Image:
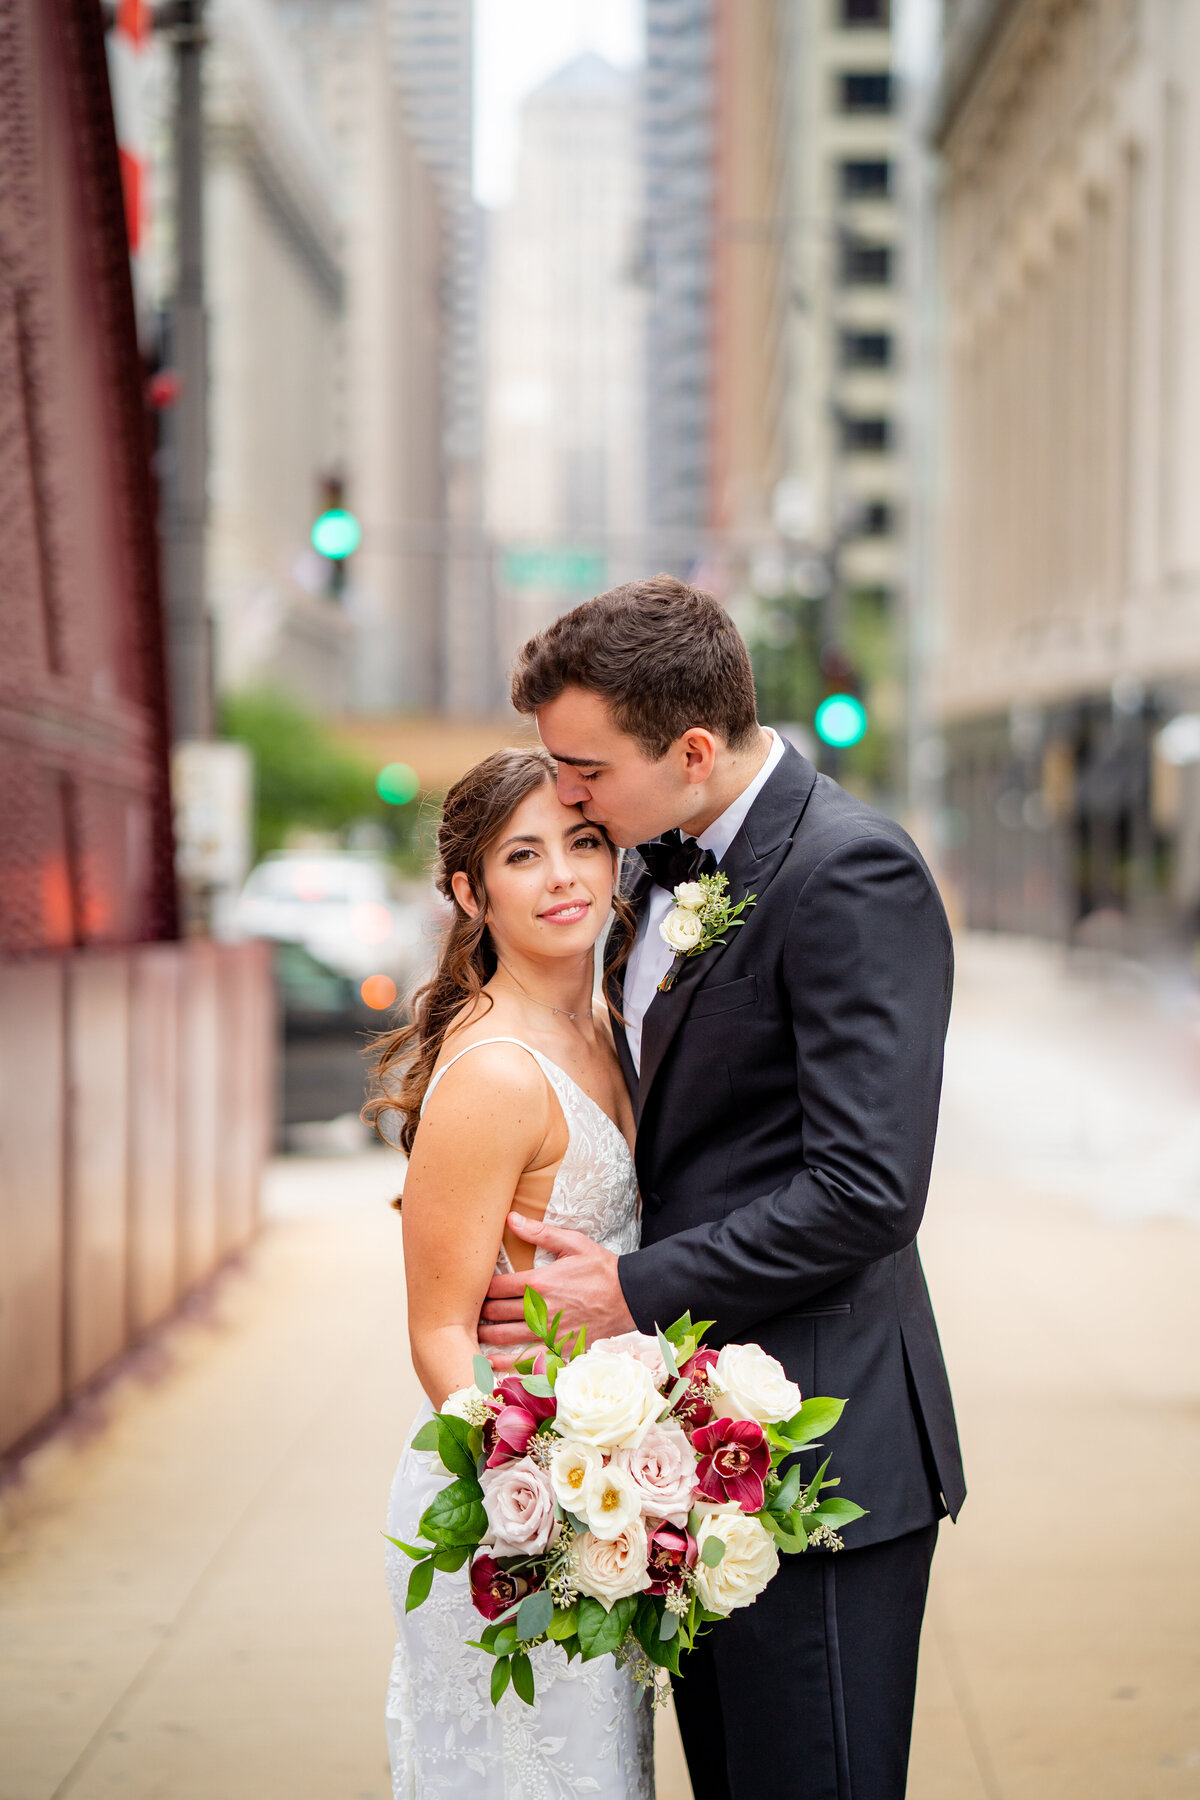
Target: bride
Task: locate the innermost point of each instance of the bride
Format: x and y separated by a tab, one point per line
511	1100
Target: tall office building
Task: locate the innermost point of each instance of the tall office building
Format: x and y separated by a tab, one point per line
565	339
432	44
846	461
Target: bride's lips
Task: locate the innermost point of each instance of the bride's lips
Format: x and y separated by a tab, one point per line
568	913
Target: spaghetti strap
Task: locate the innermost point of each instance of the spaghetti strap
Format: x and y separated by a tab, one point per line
478	1045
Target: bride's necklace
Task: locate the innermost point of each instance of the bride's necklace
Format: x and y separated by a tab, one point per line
554	1009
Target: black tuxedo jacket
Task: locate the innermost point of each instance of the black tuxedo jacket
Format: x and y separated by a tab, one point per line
787	1107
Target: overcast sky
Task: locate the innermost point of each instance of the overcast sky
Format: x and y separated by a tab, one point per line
517	44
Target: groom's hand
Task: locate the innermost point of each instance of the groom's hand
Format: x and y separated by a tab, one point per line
581	1283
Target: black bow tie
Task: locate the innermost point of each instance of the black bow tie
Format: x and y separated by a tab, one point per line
672	858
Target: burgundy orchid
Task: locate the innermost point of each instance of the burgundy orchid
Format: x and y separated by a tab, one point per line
671	1551
507	1437
696	1407
734	1461
493	1589
514	1391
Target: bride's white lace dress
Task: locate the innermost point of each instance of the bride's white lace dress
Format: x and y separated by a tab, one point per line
588	1732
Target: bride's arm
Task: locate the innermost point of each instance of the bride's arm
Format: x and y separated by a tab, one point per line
484	1126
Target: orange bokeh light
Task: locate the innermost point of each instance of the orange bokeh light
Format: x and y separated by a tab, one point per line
378	991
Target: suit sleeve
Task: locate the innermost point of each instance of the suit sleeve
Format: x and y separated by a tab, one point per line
867	968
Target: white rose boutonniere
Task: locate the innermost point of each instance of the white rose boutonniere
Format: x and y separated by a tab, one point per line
700	917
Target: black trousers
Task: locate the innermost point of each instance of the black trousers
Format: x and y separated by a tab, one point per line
809	1692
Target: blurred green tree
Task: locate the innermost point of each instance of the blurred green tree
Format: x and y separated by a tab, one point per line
304	779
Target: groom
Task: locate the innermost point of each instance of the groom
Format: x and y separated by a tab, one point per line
786	1090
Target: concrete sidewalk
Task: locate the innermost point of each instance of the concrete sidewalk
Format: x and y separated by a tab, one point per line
191	1595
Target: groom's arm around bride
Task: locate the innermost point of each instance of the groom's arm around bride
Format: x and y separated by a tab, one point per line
786	1085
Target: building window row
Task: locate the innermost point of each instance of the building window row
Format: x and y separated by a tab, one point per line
866	434
864	264
860	178
864	91
863	15
866	349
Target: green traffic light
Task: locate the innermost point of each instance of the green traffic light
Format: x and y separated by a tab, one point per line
841	721
336	534
397	784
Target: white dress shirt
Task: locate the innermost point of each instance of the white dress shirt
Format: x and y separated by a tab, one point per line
650	957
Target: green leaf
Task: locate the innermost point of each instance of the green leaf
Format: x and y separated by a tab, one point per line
677	1392
564	1624
419	1584
681	1329
500	1675
522	1677
505	1641
816	1416
788	1533
668	1627
450	1560
535	1312
456	1515
409	1549
601	1632
580	1342
427	1437
534	1615
668	1355
538	1384
485	1375
453	1445
835	1512
711	1551
814	1486
789	1491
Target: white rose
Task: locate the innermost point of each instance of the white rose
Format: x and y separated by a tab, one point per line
681	929
637	1344
611	1568
690	895
461	1403
754	1386
743	1572
519	1507
612	1503
606	1399
663	1472
571	1470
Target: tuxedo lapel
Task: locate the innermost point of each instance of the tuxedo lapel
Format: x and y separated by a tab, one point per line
750	863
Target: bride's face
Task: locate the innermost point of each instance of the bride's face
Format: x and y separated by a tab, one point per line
549	879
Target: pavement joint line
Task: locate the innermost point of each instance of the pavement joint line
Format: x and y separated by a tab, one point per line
960	1687
138	1683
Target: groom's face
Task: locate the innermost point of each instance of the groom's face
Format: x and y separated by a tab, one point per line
607	773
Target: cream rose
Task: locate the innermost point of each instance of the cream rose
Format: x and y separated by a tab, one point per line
520	1509
611	1568
637	1344
612	1503
690	895
572	1468
681	929
743	1572
462	1403
662	1470
754	1386
605	1399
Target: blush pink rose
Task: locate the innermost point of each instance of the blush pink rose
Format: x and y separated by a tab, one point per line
663	1472
642	1348
519	1507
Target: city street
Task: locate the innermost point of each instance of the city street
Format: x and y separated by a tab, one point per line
191	1590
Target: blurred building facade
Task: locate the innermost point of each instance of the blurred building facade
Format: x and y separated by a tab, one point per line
848	325
433	59
565	437
1067	677
135	1070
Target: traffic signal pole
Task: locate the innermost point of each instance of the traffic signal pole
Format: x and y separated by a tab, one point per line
189	630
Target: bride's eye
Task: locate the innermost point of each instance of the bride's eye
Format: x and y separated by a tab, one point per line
588	840
517	856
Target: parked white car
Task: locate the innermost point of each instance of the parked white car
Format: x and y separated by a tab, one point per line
346	909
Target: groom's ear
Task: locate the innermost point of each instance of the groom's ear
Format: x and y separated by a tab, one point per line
699	749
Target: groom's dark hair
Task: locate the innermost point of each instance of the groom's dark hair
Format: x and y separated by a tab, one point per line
664	655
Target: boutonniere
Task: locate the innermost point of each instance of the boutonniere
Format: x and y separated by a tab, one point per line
699	919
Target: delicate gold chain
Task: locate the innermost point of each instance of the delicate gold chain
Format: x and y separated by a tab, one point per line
554	1009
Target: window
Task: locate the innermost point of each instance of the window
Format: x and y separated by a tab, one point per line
866	265
869	435
865	180
876	518
862	93
866	350
855	15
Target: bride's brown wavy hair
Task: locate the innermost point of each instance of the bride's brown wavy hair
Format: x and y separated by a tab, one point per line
477	809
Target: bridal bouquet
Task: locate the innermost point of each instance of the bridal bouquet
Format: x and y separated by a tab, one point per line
617	1500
